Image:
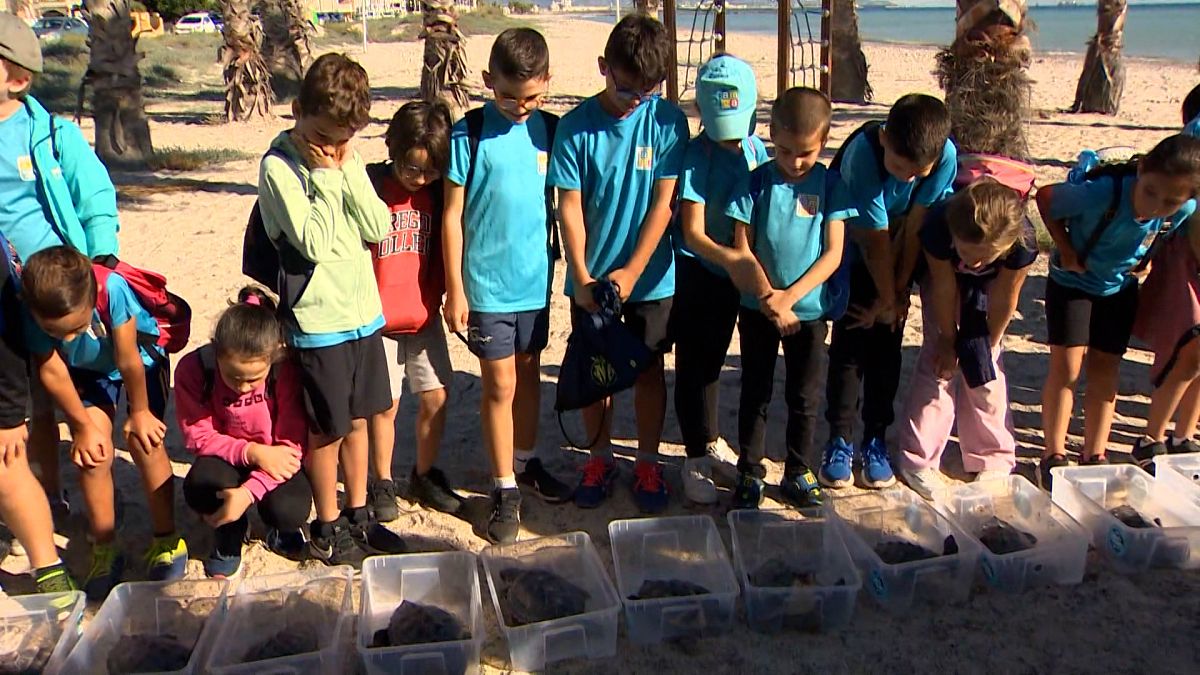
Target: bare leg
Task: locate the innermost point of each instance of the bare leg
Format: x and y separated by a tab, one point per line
431	424
321	465
597	422
1058	397
650	406
158	482
383	441
24	508
528	401
96	484
1099	402
354	459
496	412
1188	413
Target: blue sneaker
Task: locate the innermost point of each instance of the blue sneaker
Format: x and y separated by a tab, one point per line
802	490
291	545
599	474
876	467
748	493
217	566
649	489
837	467
166	559
105	573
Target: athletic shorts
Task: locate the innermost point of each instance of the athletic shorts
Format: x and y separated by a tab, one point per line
1076	318
422	358
498	335
344	382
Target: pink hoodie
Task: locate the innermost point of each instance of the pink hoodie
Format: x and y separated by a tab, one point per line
228	422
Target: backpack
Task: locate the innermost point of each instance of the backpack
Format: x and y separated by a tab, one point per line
836	288
870	130
474	120
171	312
208	368
1011	173
1092	165
12	267
275	263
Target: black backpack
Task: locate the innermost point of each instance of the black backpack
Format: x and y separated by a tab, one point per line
275	263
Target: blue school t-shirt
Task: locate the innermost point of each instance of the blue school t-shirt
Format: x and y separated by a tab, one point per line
506	246
710	174
93	350
878	199
22	216
1124	242
789	221
1193	128
614	164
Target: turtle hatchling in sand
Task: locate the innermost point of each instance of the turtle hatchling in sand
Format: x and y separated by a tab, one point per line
414	623
1002	538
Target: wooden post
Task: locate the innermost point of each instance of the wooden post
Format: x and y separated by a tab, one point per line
672	30
783	66
826	46
718	27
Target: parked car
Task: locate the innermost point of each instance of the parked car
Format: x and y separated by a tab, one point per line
196	22
55	27
218	21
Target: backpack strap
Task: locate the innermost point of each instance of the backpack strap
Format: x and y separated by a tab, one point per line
1110	214
146	342
551	122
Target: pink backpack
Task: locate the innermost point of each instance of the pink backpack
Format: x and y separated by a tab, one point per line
1008	172
173	314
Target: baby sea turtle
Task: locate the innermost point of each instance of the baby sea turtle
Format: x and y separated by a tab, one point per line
1129	515
147	654
413	624
296	639
533	595
777	573
897	552
1002	538
667	588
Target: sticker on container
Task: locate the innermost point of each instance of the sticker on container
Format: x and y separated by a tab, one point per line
878	586
1116	541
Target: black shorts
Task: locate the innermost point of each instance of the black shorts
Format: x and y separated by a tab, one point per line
649	320
1076	318
344	382
499	335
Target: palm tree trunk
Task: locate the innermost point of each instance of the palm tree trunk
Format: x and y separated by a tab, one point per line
23	9
849	78
1103	77
286	47
648	7
122	131
247	80
984	74
444	74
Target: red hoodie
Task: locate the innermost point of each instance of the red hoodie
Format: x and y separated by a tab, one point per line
408	262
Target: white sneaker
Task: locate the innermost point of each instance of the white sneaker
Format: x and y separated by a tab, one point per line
698	485
992	474
723	459
925	482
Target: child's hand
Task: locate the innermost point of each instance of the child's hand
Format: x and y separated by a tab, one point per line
583	296
12	444
90	447
1145	270
144	432
945	360
235	502
625	281
456	312
1068	261
279	461
786	322
776	305
316	155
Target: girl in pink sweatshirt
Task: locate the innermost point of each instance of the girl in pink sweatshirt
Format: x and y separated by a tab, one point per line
240	408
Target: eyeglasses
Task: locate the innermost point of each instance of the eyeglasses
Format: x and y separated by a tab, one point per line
639	96
414	172
524	103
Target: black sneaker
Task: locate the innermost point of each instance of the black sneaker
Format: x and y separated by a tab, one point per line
505	522
370	536
802	490
543	483
1145	450
332	543
433	491
1187	446
1095	460
1044	466
381	495
748	493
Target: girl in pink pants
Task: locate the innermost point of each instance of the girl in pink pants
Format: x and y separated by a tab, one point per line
978	245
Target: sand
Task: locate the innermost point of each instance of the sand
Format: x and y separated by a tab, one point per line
189	225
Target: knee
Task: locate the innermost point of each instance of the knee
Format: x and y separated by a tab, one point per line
433	401
287	507
501	387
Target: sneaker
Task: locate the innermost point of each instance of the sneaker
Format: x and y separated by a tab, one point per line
370	536
698	486
599	474
1052	462
166	559
332	543
1186	446
381	496
543	483
649	489
505	522
925	482
837	467
54	579
1145	450
1095	460
290	545
802	490
433	491
217	566
723	459
992	474
748	494
876	467
107	565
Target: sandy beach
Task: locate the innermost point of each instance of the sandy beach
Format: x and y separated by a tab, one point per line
189	225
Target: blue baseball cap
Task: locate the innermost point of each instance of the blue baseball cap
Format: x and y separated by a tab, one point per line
727	95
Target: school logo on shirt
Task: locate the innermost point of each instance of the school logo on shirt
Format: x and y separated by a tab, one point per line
728	99
543	161
410	233
25	168
808	206
645	158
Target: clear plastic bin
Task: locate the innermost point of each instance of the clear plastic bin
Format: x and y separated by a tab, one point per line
38	631
1181	472
896	517
187	612
771	546
682	548
285	613
447	581
1088	493
1059	553
571	556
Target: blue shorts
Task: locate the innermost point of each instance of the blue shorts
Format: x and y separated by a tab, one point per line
499	335
97	391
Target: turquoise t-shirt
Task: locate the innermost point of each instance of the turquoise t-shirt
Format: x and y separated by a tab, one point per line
614	164
789	220
1124	242
22	217
1193	128
93	350
506	246
876	200
710	173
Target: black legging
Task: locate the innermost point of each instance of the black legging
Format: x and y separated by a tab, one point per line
285	508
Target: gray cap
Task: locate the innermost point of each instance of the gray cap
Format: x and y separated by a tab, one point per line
18	44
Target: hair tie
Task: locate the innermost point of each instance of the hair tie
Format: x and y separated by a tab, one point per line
252	300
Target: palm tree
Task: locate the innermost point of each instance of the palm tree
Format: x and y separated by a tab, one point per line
984	74
1103	77
287	44
122	131
23	9
247	80
849	78
444	74
648	7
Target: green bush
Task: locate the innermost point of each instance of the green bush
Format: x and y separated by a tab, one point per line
170	10
520	7
487	20
179	159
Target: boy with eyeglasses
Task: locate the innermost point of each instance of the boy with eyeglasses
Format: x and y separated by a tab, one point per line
615	162
498	253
